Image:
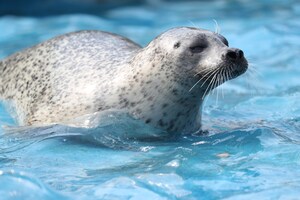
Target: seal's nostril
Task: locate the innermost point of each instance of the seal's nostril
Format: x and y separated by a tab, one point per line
232	55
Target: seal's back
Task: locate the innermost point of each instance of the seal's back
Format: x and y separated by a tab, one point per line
53	75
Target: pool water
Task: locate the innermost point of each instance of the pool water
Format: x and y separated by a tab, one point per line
251	151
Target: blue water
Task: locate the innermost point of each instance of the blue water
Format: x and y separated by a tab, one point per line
251	151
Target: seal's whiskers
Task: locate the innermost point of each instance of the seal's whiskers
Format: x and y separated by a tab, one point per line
219	81
204	75
209	77
211	84
204	71
209	87
252	75
223	80
253	70
217	27
193	24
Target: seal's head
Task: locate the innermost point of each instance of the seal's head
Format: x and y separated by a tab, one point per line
201	57
175	71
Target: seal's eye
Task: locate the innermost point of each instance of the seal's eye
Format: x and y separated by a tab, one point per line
197	48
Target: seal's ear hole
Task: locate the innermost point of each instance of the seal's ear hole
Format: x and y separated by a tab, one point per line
223	39
176	45
226	42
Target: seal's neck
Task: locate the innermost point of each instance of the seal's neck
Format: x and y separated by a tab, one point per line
159	96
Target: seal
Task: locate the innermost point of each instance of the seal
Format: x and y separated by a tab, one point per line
162	84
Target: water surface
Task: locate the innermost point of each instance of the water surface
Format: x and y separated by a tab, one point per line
253	146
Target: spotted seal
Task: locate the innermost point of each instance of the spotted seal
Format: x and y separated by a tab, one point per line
83	72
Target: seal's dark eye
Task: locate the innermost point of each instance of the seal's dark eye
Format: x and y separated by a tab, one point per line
198	48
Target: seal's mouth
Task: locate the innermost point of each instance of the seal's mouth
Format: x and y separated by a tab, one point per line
236	69
226	70
234	62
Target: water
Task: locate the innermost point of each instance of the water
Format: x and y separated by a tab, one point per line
251	151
